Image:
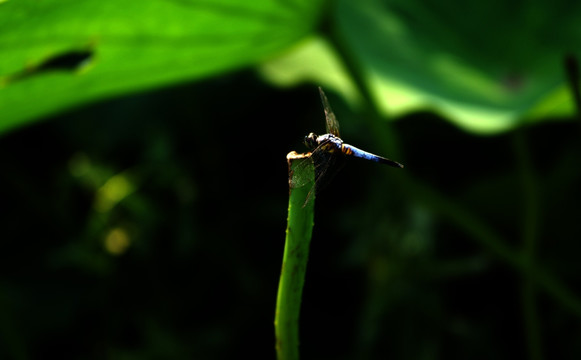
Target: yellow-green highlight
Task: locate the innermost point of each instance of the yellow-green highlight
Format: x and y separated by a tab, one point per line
117	241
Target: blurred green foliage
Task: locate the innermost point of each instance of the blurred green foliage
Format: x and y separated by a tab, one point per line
132	46
149	223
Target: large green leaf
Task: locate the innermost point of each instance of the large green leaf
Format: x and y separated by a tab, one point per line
486	66
57	54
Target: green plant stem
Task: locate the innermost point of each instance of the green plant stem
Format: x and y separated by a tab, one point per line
446	207
571	65
464	220
294	264
529	244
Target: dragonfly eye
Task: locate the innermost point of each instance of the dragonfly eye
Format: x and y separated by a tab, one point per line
311	141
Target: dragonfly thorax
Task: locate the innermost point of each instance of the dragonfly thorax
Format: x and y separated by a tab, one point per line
330	141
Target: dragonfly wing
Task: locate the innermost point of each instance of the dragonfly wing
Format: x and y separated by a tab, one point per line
327	165
331	120
297	178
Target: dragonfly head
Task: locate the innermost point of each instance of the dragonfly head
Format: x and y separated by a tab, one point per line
311	141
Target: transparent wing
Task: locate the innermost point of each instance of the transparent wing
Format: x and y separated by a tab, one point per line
332	123
297	178
327	165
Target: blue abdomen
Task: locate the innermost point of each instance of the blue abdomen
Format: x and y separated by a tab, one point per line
353	151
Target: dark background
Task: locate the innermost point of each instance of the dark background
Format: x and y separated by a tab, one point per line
395	271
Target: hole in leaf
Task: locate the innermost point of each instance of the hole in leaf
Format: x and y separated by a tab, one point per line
73	61
70	61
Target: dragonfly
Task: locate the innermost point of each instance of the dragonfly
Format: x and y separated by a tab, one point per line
328	151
